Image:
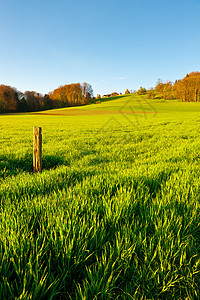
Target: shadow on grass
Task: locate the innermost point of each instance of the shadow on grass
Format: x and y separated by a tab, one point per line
10	165
109	98
154	184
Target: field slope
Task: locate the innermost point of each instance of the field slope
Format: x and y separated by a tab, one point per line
115	214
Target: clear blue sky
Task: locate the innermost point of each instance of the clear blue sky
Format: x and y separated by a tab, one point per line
111	44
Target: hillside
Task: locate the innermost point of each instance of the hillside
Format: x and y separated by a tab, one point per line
131	103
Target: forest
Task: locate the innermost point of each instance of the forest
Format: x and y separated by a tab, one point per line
186	89
12	100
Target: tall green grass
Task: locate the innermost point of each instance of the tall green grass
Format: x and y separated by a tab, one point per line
115	212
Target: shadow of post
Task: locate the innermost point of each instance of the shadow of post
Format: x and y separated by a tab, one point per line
11	165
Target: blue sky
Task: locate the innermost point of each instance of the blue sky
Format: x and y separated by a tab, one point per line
111	44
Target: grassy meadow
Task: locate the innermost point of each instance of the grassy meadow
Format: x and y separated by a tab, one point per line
115	214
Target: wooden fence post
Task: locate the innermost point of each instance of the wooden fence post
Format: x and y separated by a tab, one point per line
37	149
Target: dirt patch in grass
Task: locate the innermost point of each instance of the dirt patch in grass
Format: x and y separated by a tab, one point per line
74	112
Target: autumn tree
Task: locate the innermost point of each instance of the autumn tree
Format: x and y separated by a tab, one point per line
127	91
165	90
188	88
141	91
72	95
34	100
11	100
150	94
8	99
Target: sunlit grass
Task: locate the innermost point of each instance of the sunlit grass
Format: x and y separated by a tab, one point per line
114	214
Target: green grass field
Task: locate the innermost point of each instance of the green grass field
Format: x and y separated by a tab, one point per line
115	214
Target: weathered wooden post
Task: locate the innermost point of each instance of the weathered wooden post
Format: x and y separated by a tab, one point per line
37	149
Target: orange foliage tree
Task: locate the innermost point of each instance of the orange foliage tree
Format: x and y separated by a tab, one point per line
188	89
8	99
11	100
165	90
72	95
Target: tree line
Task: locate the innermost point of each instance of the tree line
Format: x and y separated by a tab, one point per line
12	100
186	89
